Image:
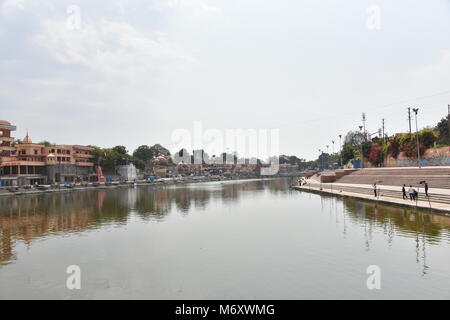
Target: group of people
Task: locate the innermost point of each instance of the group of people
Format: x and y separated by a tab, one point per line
413	194
302	181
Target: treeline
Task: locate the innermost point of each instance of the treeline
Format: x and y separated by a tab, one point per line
109	158
375	149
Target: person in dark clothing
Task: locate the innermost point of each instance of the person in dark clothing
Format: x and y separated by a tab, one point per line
375	189
404	192
426	189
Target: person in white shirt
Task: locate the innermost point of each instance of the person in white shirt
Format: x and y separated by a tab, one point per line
411	192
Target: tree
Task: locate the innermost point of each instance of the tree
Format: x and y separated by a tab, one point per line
143	153
442	128
376	155
354	138
427	137
159	150
46	143
120	150
348	153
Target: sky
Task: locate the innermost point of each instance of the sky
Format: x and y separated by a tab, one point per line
134	72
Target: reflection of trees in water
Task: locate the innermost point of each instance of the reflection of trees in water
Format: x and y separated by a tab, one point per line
426	228
408	220
26	218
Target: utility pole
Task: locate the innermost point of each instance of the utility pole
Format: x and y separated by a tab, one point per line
364	125
360	129
409	119
417	136
448	120
340	147
383	131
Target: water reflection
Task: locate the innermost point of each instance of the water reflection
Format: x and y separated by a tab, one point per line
35	216
423	226
32	217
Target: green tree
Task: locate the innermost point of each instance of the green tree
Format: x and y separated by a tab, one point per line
348	153
442	128
143	153
120	150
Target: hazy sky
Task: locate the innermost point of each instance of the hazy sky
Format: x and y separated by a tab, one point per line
135	71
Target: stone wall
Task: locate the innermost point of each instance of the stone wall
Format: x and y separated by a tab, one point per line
431	157
59	171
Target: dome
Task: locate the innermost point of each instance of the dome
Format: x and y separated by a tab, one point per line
5	122
27	140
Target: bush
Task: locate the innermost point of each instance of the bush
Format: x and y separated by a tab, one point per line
376	155
427	137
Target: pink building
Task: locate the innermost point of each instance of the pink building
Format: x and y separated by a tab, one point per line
29	163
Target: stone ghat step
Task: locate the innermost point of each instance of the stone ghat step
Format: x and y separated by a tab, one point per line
388	193
401	172
394	180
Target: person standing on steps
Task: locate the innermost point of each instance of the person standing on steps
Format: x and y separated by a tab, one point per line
411	192
375	189
426	190
404	192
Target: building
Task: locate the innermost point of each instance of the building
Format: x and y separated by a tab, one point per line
27	163
127	172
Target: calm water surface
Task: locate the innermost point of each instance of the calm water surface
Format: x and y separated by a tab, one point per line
232	240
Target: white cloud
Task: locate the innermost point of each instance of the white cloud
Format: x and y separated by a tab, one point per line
197	7
434	77
11	5
110	47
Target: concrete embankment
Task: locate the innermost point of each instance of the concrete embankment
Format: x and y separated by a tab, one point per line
367	194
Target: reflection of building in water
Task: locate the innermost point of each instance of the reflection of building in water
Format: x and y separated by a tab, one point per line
35	216
30	217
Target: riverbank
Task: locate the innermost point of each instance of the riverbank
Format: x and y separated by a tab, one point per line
59	189
340	191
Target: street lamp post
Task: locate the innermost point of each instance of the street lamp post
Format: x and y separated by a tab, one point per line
340	148
361	147
320	159
416	110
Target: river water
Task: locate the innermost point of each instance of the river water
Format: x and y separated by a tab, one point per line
219	240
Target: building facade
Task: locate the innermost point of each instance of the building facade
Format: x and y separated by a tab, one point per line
26	163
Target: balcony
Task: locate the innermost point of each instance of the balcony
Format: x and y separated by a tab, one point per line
85	164
7	148
6	139
83	156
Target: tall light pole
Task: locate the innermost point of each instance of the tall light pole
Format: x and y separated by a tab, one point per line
332	142
417	137
340	147
320	160
360	129
448	120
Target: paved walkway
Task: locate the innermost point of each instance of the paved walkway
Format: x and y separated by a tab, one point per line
393	188
333	188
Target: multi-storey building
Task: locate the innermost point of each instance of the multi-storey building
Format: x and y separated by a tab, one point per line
26	162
